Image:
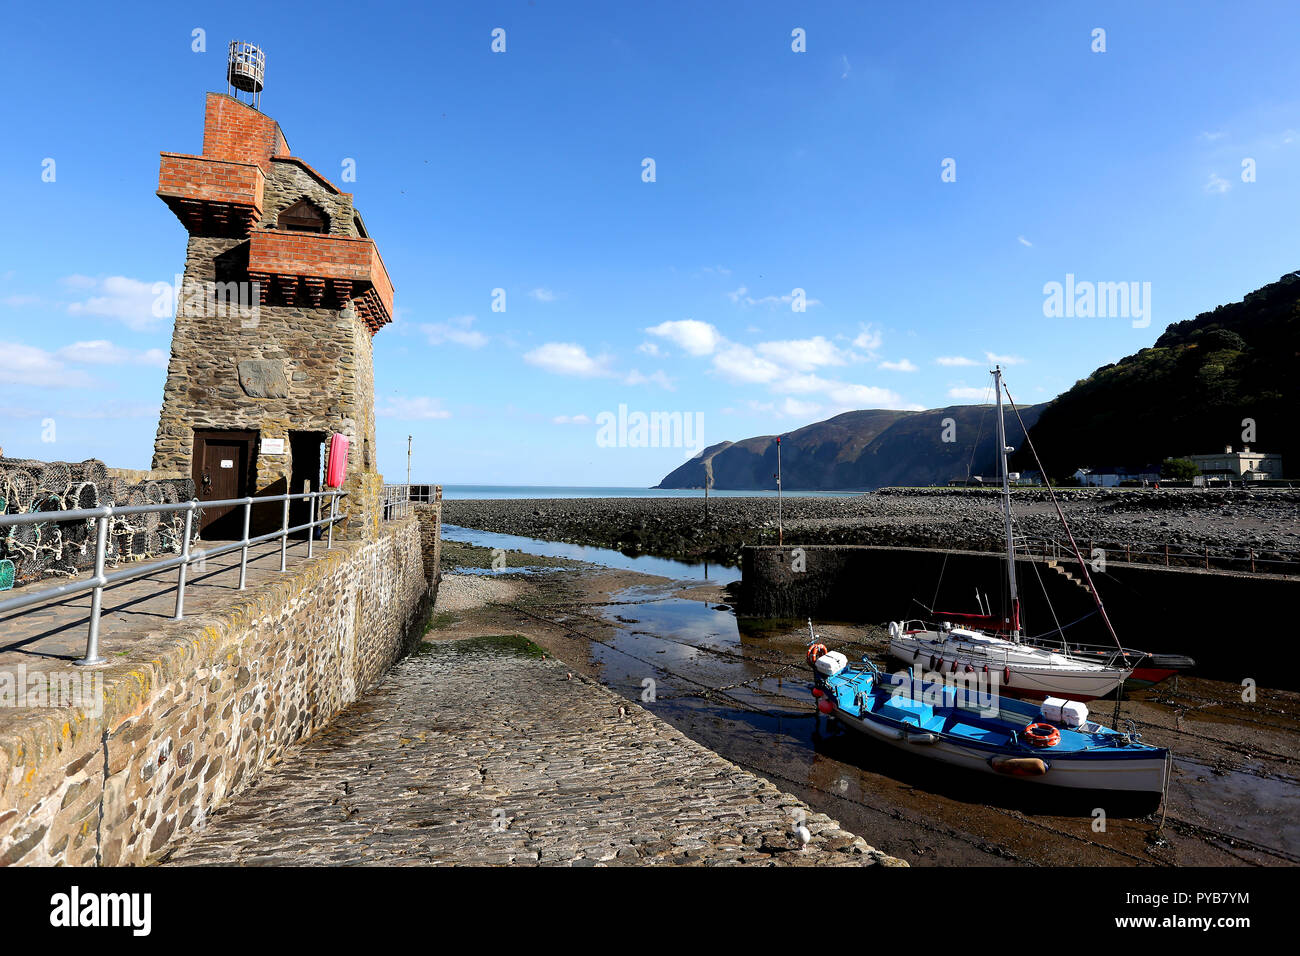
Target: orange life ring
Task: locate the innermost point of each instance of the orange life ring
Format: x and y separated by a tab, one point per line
814	652
1042	735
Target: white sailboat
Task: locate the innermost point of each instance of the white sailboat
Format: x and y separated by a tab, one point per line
1022	668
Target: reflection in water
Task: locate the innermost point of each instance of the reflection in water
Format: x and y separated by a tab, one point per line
606	557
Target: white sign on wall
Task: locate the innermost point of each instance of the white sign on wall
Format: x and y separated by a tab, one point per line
272	446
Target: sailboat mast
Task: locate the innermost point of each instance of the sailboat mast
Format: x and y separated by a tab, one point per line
1006	510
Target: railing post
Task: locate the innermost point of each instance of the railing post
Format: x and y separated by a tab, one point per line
243	553
96	601
284	537
311	522
1252	560
185	564
329	540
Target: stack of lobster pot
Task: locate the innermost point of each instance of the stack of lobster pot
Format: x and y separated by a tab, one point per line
31	552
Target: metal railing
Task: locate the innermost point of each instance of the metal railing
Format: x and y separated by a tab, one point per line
102	516
399	501
1248	559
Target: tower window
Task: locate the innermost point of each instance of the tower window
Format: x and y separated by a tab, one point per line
303	216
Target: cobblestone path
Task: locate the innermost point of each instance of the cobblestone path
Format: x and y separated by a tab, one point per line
482	752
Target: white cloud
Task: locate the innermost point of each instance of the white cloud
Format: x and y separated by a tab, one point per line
1211	137
739	363
568	358
902	365
28	365
691	335
1216	184
802	355
651	349
845	67
1023	241
970	392
543	295
995	359
571	420
955	360
869	340
417	407
129	301
103	352
457	330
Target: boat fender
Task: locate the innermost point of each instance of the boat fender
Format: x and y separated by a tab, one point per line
922	738
818	692
825	706
1006	675
814	652
1019	766
933	665
1042	735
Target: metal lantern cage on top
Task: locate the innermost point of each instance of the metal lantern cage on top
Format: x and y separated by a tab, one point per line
246	71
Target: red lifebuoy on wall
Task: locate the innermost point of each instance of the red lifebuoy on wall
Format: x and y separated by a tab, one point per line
338	461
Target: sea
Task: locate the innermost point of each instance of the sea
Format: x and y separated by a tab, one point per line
579	491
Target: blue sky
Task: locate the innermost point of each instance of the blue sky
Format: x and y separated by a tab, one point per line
775	170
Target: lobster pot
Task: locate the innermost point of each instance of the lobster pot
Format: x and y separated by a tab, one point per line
55	478
184	488
92	469
168	489
79	531
7	574
33	565
153	493
69	558
25	537
155	542
137	544
22	487
114	491
47	501
52	539
82	496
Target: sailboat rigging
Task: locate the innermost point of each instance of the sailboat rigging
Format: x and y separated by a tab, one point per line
997	645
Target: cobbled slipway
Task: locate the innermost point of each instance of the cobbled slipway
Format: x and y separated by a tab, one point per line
487	757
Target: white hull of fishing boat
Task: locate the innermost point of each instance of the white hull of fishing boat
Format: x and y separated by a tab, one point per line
1021	669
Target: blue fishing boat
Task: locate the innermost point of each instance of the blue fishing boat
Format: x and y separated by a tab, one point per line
952	721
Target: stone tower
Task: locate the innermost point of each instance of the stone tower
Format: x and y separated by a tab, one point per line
282	293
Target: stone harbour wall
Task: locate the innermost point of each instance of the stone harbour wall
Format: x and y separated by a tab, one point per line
213	700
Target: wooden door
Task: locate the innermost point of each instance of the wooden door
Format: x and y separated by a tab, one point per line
223	463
